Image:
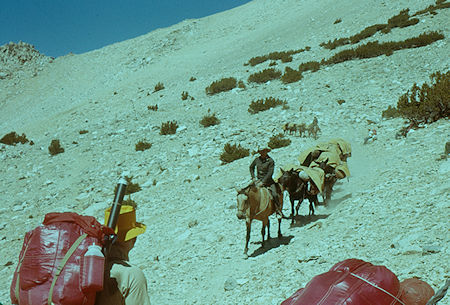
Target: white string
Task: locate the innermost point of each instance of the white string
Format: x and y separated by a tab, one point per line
363	279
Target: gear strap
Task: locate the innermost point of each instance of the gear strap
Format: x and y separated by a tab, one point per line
62	264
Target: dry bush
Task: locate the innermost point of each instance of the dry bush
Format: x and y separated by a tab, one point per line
55	148
339	20
225	84
158	87
13	138
142	145
264	76
131	187
233	152
291	76
153	108
278	141
83	131
169	127
265	104
209	120
312	66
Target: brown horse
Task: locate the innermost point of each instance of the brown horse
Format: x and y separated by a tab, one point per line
257	203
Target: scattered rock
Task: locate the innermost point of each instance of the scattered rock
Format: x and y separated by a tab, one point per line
230	284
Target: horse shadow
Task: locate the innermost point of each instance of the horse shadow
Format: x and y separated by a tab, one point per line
303	220
272	243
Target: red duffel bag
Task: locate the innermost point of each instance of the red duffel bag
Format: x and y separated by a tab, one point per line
350	282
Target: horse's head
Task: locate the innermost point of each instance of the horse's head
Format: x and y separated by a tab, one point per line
242	205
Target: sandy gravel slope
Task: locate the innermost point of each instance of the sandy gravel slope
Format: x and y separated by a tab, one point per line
393	210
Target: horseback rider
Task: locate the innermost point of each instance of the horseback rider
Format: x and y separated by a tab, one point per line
264	170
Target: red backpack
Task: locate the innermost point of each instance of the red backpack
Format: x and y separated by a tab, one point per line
49	265
350	282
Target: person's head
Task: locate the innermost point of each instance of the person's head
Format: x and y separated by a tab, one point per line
263	153
127	229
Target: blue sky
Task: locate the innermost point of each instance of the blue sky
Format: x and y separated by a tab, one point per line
57	27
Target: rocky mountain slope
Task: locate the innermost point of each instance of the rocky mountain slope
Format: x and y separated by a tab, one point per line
393	210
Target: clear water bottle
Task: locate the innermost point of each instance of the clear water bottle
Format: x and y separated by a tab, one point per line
93	269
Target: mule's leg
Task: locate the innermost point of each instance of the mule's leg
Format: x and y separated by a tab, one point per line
292	210
279	228
268	228
298	206
312	201
249	226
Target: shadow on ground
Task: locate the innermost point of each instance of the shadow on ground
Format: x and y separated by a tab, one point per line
303	220
272	243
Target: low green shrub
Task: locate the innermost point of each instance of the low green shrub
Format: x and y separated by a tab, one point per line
241	84
400	20
339	20
192	79
142	145
225	84
83	131
337	42
390	112
184	95
428	103
233	152
278	141
257	60
367	32
440	4
264	76
169	127
340	102
312	66
291	76
13	138
265	104
55	147
209	120
374	49
158	87
284	56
